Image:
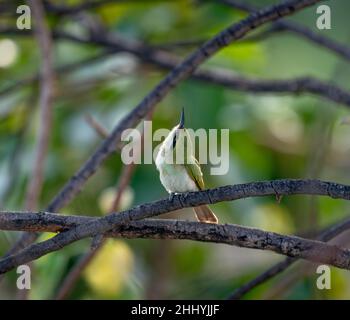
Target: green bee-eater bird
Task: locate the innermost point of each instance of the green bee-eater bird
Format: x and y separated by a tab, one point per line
185	177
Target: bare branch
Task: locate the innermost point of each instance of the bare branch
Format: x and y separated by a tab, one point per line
173	229
69	67
46	96
74	274
278	268
102	132
326	42
43	36
184	200
169	61
218	76
125	177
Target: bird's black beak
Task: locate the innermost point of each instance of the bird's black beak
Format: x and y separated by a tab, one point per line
182	119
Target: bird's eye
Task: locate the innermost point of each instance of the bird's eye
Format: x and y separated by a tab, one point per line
174	141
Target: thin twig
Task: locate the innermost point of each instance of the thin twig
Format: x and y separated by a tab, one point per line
325	236
46	98
74	274
69	67
102	132
125	177
303	269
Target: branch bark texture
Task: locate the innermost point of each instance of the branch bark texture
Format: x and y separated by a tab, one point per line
235	235
105	224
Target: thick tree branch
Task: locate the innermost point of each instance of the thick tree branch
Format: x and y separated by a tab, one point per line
191	199
173	229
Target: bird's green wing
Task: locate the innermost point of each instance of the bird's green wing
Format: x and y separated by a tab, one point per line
194	170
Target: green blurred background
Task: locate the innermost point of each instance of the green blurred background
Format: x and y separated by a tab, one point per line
272	136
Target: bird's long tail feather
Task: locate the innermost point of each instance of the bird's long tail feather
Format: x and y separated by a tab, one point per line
204	214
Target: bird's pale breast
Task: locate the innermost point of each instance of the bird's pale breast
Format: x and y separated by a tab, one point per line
176	179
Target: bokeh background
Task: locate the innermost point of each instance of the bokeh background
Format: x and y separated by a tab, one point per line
272	136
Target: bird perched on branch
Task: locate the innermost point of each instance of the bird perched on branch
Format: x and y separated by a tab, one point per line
182	174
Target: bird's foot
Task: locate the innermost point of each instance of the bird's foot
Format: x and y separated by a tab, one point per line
171	196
